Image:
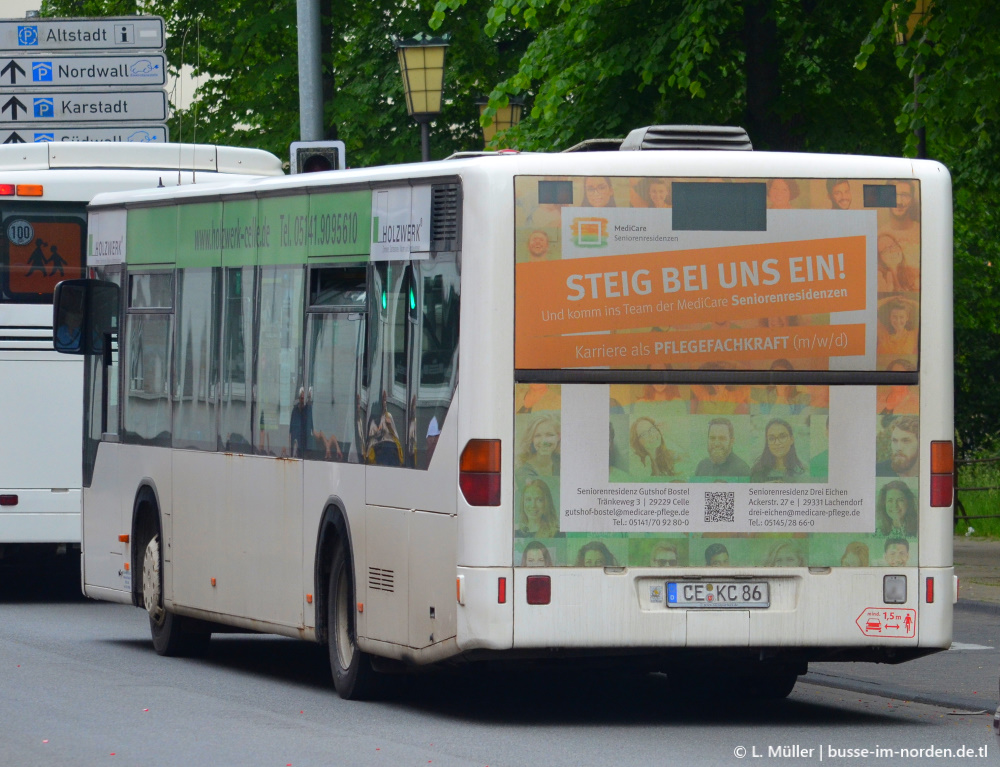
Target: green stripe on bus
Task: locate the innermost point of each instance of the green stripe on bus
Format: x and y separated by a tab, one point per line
152	235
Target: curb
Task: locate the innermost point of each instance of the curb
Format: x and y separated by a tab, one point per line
975	606
973	706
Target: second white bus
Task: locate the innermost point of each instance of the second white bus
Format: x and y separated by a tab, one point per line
44	191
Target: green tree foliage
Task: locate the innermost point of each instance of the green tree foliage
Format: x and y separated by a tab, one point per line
797	74
952	54
243	54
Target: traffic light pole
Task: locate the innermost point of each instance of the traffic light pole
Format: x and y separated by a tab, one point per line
310	79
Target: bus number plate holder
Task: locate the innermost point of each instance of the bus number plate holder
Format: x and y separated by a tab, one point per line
718	594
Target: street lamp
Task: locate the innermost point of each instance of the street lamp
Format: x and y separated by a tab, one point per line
504	118
421	62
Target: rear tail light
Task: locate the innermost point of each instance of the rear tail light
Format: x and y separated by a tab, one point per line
8	500
942	473
539	589
7	190
930	591
501	591
479	472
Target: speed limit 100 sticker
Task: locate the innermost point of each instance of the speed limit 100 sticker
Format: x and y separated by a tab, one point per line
20	231
899	623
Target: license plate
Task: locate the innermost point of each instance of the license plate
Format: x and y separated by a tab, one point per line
720	594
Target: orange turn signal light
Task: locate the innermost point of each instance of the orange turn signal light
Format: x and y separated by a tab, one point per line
29	190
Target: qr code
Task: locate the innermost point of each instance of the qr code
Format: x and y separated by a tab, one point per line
720	507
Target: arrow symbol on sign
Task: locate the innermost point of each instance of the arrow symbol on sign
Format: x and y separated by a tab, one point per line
13	138
13	103
11	67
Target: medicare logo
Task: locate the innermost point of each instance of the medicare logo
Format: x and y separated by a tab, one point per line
589	232
44	138
27	35
45	107
41	71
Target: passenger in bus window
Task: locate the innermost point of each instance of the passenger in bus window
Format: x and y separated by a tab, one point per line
536	513
784	554
538	451
536	554
649	450
896	511
717	555
598	192
721	460
904	449
778	461
855	555
839	190
300	426
894	274
595	554
384	446
897	552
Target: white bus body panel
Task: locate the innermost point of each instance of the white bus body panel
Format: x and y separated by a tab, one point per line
41	415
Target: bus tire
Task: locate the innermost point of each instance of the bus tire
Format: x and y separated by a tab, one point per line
173	635
353	675
769	684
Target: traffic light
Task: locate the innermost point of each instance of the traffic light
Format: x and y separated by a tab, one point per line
316	156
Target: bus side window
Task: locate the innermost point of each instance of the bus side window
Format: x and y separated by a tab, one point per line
334	347
279	359
435	353
385	429
148	332
236	406
196	358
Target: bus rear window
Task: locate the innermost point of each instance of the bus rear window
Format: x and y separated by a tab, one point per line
39	251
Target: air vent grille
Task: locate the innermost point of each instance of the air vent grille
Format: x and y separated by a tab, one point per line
697	137
380	579
446	200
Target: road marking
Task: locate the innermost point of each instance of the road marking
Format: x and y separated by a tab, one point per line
964	646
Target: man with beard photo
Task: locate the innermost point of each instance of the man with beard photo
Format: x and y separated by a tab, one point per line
904	450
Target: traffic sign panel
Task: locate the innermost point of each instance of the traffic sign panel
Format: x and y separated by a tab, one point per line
82	107
109	33
39	134
129	70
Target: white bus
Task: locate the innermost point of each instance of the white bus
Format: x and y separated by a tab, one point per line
44	191
689	409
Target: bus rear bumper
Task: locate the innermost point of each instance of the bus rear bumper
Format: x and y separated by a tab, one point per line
828	609
41	516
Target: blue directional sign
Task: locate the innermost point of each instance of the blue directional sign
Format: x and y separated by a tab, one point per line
95	34
34	134
128	70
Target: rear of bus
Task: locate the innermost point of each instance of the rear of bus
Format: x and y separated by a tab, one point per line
730	447
44	191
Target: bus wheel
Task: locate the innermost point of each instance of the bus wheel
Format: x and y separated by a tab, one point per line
353	675
768	684
172	634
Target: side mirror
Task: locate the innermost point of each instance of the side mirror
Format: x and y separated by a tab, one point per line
83	313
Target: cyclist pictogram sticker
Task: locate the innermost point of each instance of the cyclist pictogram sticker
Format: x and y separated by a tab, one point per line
894	623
